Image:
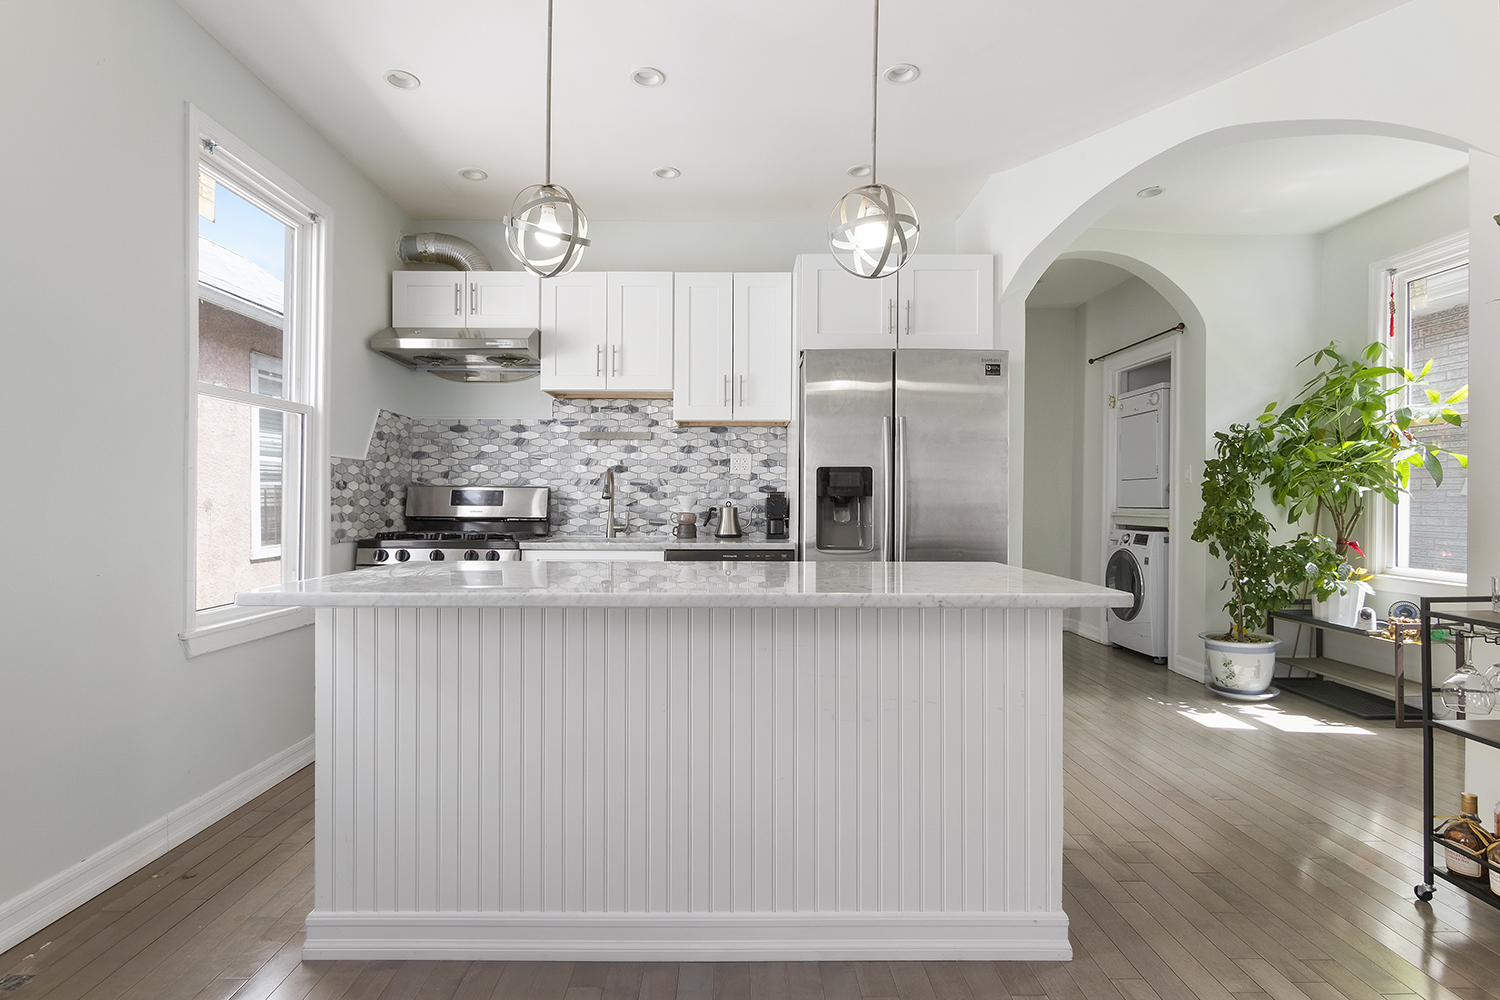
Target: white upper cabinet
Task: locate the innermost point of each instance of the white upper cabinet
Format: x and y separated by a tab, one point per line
947	300
573	332
504	300
607	333
640	332
435	299
734	348
703	358
936	300
836	310
762	386
453	300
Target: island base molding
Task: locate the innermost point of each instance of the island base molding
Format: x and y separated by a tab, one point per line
763	782
686	938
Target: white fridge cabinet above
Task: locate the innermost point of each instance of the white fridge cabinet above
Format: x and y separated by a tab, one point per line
935	301
456	300
607	333
733	356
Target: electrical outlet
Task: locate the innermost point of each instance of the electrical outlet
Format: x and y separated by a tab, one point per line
739	465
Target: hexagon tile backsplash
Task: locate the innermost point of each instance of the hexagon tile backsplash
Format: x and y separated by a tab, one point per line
650	474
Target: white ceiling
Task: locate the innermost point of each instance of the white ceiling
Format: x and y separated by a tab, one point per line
1072	282
765	105
1294	186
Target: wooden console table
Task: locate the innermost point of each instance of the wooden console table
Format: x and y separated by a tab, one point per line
1347	674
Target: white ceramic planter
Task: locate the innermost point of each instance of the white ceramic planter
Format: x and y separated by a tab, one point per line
1240	667
1342	609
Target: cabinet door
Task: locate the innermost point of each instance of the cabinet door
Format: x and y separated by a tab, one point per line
948	301
836	310
573	333
638	353
432	299
763	347
704	337
504	300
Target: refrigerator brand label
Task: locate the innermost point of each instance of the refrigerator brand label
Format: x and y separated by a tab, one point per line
992	368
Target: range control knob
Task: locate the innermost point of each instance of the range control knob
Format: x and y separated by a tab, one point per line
381	555
492	555
471	554
436	555
402	555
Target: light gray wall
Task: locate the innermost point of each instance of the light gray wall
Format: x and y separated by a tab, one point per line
1054	411
107	725
1427	214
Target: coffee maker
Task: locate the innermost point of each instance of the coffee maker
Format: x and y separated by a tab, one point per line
778	515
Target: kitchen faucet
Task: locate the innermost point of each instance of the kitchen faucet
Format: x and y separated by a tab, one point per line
611	528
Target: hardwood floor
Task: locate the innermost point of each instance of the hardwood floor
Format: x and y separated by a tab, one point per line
1269	861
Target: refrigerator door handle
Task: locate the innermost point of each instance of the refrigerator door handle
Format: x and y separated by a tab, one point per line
886	435
901	477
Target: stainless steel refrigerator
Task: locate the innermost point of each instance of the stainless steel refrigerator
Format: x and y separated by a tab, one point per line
904	455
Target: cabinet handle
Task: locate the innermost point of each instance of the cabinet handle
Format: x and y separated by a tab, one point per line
726	390
890	317
742	390
599	360
614	359
474	299
458	296
908	317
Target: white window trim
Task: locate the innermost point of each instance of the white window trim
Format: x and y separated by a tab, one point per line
218	628
1440	254
257	550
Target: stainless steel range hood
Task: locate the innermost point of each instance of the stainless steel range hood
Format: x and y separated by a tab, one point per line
500	355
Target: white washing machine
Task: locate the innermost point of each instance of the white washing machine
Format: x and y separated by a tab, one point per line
1136	562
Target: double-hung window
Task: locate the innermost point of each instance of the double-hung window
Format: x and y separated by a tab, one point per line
254	484
1425	295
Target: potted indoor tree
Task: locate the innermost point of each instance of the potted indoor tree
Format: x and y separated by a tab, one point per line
1263	577
1349	436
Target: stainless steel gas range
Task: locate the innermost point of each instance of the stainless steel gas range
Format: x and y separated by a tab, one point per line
463	524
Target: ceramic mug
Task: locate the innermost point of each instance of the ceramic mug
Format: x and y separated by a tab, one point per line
687	524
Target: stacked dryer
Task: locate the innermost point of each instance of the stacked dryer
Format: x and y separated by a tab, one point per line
1136	557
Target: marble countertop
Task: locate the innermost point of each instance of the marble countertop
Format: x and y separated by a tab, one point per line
693	585
653	542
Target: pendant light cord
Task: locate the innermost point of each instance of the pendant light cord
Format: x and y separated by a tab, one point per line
874	97
548	172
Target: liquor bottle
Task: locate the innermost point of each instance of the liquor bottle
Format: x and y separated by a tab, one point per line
1465	841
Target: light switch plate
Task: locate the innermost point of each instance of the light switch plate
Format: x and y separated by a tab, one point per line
739	465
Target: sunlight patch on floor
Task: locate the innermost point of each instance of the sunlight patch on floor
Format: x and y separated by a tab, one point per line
1215	720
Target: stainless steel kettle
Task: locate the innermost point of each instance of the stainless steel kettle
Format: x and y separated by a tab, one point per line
729	520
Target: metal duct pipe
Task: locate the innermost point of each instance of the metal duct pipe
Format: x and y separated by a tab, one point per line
440	248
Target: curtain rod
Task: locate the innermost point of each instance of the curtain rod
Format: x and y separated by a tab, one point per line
1175	329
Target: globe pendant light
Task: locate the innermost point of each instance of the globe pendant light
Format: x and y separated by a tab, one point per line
546	230
874	228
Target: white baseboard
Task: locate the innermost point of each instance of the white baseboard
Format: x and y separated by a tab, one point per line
547	937
24	915
1194	669
1088	630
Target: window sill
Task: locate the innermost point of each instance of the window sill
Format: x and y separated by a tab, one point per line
1418	586
253	625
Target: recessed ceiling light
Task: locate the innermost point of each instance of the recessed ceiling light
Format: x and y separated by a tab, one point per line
648	76
1150	192
402	80
472	174
902	73
859	170
667	173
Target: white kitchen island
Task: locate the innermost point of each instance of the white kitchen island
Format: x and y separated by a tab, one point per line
689	761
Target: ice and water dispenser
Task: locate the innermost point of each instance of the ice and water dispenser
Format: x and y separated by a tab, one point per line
846	508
